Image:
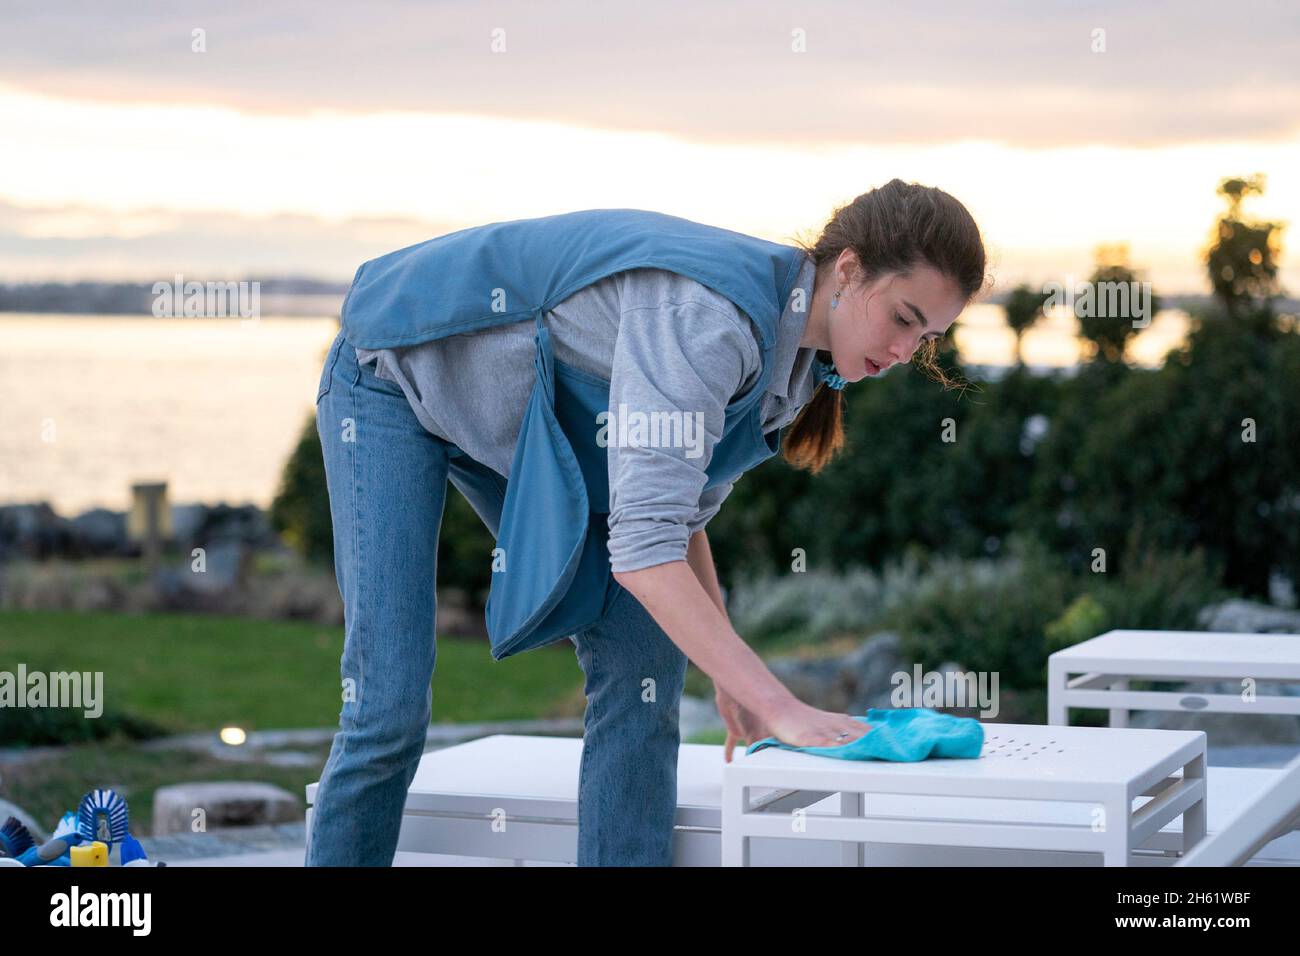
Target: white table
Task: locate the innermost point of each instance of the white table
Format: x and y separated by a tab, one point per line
1033	787
1105	665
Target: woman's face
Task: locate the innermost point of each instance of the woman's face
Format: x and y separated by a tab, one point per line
880	323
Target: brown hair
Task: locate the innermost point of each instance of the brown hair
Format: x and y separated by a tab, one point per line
890	229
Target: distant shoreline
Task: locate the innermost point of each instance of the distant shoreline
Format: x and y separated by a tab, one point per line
302	297
289	297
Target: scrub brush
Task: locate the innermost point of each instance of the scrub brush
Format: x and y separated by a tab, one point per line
14	837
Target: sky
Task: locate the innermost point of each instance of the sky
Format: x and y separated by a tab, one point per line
233	139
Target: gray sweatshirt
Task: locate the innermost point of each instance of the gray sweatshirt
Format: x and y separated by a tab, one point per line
665	343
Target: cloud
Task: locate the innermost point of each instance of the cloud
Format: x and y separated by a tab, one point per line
81	242
1020	73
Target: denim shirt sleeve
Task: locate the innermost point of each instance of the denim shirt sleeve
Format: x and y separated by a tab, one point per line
689	352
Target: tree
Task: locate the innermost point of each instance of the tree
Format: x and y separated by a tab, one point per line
1242	255
1023	307
1106	318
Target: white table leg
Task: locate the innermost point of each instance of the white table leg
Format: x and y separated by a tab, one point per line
1194	816
852	853
1119	715
1057	677
735	845
1115	844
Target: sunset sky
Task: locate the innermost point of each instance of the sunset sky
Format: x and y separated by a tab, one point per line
307	137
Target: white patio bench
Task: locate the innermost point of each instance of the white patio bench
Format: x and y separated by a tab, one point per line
515	797
512	797
1097	673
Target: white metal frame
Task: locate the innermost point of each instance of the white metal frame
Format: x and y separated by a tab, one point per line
1034	788
1096	674
1272	813
1105	665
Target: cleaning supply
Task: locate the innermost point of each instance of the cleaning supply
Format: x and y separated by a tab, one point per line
90	854
84	838
906	734
14	838
103	816
56	852
131	851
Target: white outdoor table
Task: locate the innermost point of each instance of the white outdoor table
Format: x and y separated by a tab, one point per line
1106	664
1033	787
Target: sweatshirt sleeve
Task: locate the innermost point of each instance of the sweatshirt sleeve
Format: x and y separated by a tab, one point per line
684	357
711	501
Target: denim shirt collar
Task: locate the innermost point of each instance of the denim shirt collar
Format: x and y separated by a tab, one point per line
792	363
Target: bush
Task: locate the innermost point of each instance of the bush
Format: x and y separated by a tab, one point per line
988	614
811	606
301	514
1076	461
53	726
1083	620
300	511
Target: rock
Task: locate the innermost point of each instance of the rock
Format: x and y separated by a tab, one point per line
848	683
181	587
100	531
186	522
33	531
233	803
1249	617
245	523
225	562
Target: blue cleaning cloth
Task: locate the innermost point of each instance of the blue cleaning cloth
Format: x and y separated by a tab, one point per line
906	734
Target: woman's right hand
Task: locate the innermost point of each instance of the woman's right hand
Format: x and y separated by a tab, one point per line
801	725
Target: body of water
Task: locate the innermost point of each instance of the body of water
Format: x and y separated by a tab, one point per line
91	404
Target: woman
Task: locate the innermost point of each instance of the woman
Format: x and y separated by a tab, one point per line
596	442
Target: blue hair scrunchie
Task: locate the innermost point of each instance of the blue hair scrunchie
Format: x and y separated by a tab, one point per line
826	373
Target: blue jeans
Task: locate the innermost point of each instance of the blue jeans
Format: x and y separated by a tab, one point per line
387	479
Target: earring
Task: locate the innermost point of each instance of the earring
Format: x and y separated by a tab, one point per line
835	300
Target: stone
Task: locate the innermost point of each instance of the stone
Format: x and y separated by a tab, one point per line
231	803
847	683
100	531
1249	617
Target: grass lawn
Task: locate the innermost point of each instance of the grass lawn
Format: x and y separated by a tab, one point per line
50	787
187	673
200	673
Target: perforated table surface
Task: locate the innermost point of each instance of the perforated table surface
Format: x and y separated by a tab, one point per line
1033	787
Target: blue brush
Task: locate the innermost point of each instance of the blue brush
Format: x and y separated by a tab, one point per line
14	837
54	853
103	816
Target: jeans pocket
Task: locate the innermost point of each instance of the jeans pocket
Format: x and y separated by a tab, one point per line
327	373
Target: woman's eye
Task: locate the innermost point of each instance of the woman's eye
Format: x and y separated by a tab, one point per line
902	321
